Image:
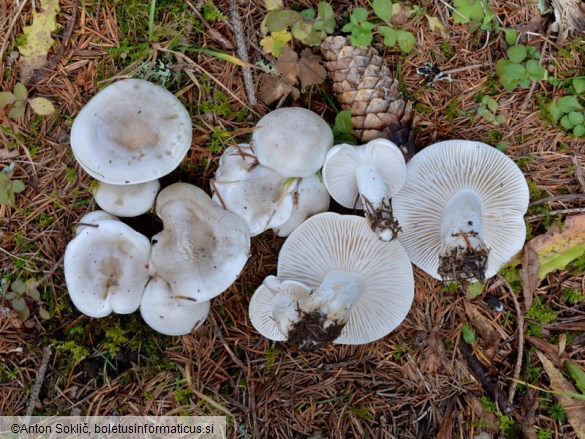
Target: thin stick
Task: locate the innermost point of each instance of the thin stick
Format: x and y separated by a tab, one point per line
554	212
34	393
520	338
51	271
578	171
242	52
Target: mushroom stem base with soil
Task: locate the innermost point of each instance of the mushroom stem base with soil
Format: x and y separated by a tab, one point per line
463	255
376	203
322	317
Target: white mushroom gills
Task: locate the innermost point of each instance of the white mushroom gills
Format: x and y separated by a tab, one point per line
462	239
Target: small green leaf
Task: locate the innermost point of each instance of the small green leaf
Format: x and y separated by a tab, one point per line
272	5
10	295
6	98
468	333
389	34
568	103
359	15
17	186
517	53
492	104
383	9
578	85
576	117
577	374
481	111
535	70
327	17
475	289
42	106
17	110
500	118
510	35
20	91
24	313
406	40
281	20
4	196
489	116
566	122
343	122
510	70
34	294
44	314
18	287
18	304
308	14
579	131
361	37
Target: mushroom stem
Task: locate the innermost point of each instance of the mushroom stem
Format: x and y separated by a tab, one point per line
463	255
376	202
322	317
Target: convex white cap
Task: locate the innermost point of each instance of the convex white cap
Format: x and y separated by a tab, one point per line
106	268
131	132
126	200
331	249
170	315
202	248
256	193
92	219
293	141
366	177
462	195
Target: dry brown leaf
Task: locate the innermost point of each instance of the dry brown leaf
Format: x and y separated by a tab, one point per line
529	275
489	419
307	68
6	153
434	354
551	350
272	88
483	326
400	14
575	408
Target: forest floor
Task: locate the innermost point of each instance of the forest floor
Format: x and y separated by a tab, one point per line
416	382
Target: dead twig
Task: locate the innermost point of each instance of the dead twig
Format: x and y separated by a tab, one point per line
520	341
242	52
554	212
34	393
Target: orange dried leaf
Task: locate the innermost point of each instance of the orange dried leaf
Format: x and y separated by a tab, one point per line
307	68
273	88
529	275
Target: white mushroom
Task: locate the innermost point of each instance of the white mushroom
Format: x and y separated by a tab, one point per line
310	198
366	177
106	268
92	219
293	141
362	287
258	194
202	248
126	200
131	132
462	210
274	307
170	315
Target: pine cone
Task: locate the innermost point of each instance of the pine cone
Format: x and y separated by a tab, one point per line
362	83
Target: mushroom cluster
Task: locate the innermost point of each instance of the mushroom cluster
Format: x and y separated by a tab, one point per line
272	182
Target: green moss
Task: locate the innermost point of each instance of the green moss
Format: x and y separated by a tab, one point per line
447	50
271	356
572	297
362	412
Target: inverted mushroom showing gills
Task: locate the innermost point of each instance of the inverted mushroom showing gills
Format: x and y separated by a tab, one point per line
131	132
293	141
106	268
366	177
462	210
362	288
202	248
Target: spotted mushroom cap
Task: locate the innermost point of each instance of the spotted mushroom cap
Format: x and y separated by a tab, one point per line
343	162
106	268
442	170
131	132
330	242
202	248
170	315
256	193
293	141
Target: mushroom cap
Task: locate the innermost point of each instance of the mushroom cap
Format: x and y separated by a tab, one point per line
442	170
330	242
106	268
93	218
311	198
202	248
169	315
131	132
126	200
273	293
259	195
293	141
342	164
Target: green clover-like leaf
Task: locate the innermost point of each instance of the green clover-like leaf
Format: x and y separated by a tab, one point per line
579	85
406	40
20	91
41	106
17	186
389	34
517	53
6	98
568	103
